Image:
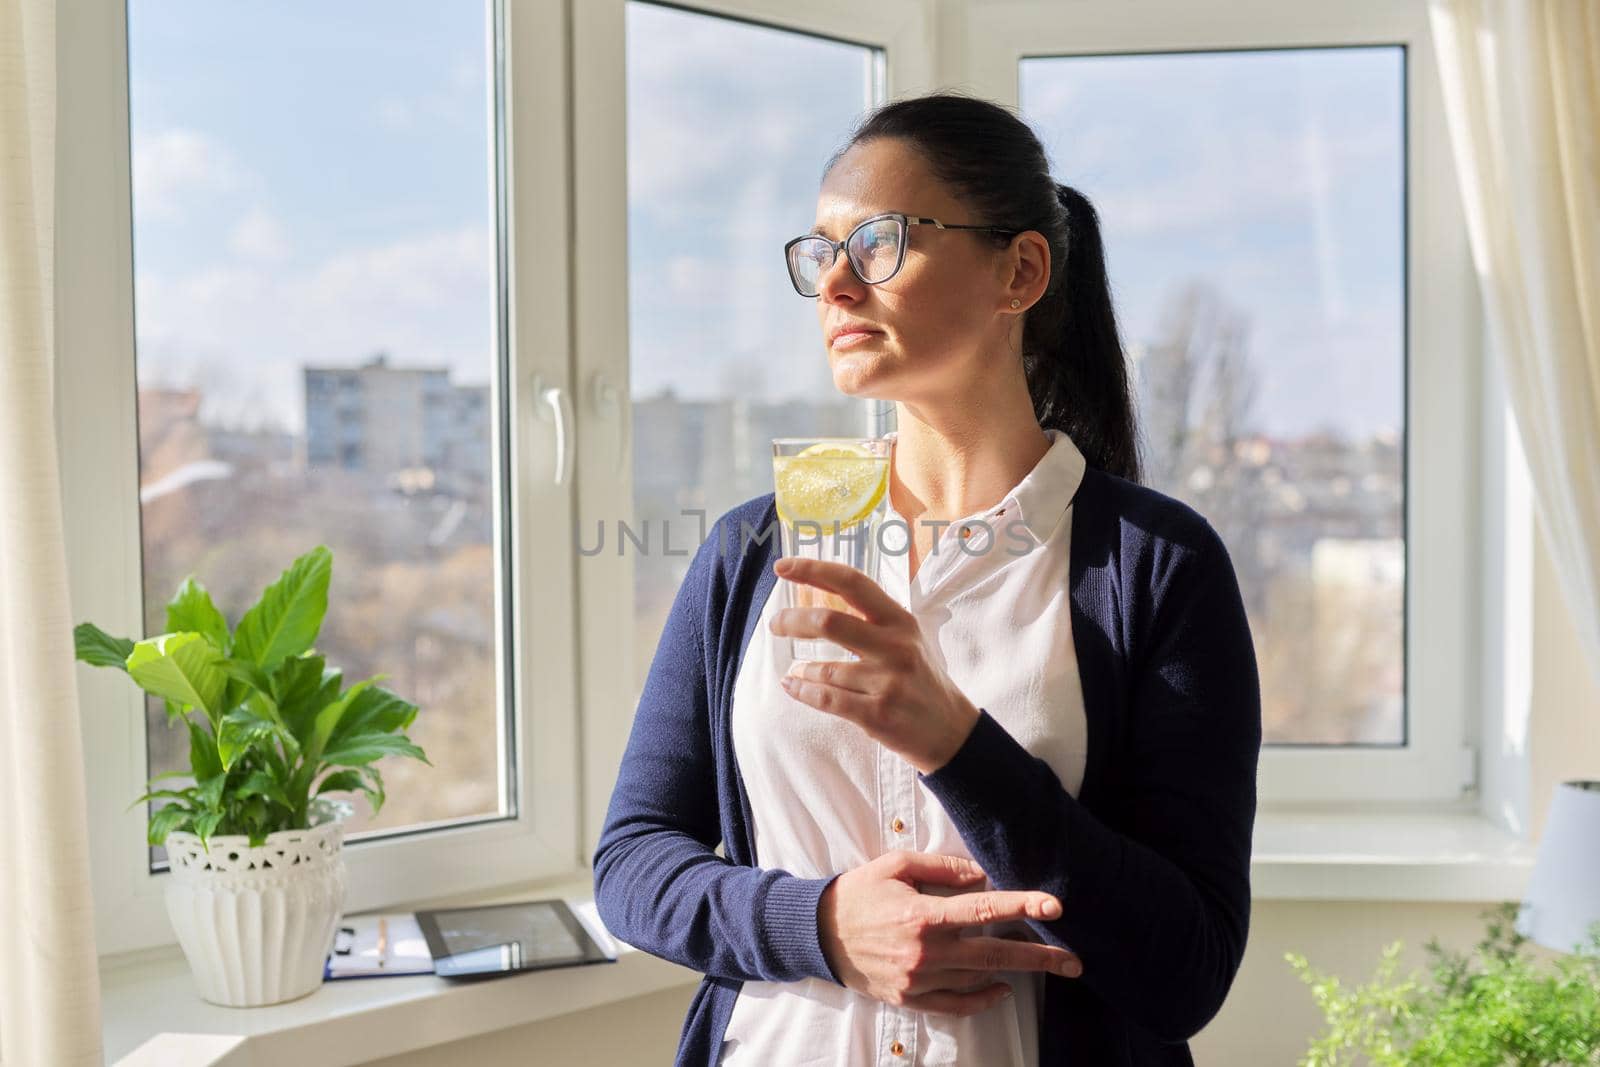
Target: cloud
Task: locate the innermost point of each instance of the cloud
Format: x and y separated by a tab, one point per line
690	277
259	237
242	332
721	102
176	163
396	115
460	99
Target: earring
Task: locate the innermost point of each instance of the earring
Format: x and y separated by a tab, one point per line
1016	303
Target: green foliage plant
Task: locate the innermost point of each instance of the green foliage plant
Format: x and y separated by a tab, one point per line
271	726
1497	1010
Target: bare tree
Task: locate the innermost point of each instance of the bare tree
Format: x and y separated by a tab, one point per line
1198	387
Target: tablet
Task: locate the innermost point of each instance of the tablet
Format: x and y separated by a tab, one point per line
505	938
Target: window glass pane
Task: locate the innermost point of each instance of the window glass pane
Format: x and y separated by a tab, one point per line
1254	213
728	132
315	282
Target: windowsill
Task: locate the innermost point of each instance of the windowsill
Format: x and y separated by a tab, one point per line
1432	858
152	1014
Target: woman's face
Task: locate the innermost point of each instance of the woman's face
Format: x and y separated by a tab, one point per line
942	323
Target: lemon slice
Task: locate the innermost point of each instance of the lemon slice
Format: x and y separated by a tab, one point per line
828	483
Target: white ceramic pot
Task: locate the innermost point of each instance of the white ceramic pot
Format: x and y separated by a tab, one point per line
256	924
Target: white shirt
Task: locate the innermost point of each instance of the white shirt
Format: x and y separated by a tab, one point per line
826	798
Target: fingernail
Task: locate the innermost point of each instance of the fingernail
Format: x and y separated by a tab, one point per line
1051	909
1068	969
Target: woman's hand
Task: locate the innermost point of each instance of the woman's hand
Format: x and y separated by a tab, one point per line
894	944
895	691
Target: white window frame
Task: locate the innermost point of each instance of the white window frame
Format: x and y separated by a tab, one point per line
568	345
903	29
97	427
1436	771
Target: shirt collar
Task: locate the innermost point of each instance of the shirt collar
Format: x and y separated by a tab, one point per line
1043	495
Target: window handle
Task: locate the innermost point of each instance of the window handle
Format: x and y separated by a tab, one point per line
606	400
560	406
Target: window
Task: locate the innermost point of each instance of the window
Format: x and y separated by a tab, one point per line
415	284
1253	206
724	161
1290	304
311	338
703	132
317	375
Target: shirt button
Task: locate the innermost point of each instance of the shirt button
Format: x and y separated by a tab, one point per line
898	826
897	1048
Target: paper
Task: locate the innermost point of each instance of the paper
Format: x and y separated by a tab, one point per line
356	947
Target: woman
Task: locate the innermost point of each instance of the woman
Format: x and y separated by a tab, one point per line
1017	829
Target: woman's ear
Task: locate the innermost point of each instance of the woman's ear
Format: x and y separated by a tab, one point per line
1028	270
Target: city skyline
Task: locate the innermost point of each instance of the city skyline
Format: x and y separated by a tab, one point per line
250	259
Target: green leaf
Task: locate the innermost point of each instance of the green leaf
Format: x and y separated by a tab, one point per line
240	731
303	687
191	610
285	621
210	792
359	749
263	785
243	726
170	818
342	782
203	758
183	667
327	720
205	825
164	794
374	790
297	678
99	649
374	711
363	779
247	672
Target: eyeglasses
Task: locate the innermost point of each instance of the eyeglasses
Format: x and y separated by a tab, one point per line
876	249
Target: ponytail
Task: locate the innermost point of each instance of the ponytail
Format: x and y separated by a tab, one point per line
1071	351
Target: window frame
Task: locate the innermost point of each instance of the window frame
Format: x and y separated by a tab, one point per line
96	413
564	167
1436	770
903	30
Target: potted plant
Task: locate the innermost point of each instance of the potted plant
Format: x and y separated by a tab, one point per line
254	844
1506	1011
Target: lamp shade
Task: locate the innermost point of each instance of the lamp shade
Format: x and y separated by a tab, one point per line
1563	895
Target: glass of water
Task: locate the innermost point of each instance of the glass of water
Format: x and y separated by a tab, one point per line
831	495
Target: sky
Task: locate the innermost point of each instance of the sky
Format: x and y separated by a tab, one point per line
314	197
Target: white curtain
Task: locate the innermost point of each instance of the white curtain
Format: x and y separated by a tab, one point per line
1521	83
49	986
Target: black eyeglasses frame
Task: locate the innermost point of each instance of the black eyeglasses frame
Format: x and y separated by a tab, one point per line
905	221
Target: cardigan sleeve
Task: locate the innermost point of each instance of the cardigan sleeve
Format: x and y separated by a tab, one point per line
658	883
1158	907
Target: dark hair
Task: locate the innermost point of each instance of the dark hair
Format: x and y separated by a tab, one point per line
1071	353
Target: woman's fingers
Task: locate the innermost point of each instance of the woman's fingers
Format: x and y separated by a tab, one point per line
929	868
853	632
856	676
946	1002
991	954
861	592
978	909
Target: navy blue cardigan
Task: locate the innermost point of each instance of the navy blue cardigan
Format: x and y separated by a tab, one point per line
1151	861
